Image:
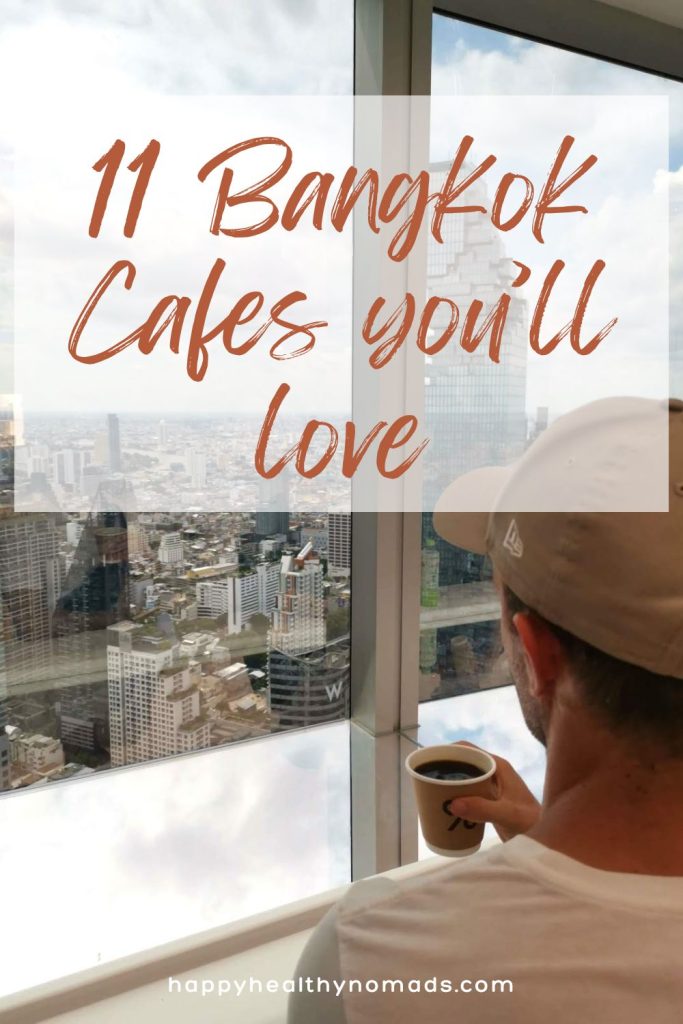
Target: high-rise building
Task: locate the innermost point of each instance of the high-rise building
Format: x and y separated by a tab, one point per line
273	514
308	678
95	592
4	738
339	543
30	574
95	595
74	530
212	597
240	596
298	624
163	434
269	524
309	688
138	545
171	550
196	467
113	444
68	466
38	459
100	455
154	699
474	416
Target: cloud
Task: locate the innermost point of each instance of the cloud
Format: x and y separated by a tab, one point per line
138	857
537	69
180	46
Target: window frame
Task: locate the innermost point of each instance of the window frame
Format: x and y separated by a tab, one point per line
393	57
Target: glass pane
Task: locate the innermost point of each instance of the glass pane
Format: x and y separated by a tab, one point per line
132	859
128	637
459	632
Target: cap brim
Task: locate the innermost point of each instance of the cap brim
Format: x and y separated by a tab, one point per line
461	515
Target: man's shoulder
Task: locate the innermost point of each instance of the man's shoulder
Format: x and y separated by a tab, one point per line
431	882
519	873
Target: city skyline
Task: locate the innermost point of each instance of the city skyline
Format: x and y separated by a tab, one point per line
154	612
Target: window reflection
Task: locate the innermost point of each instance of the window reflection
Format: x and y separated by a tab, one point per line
128	637
176	847
480	417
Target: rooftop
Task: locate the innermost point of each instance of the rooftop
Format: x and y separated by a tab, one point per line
193	724
178	666
231	670
181	694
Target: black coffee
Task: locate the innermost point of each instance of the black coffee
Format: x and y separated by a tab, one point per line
449	771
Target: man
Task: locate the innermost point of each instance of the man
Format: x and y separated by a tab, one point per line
581	906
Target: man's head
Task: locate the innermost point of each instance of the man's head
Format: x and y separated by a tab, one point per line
553	669
592	600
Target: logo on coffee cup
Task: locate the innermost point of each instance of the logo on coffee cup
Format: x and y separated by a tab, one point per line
456	821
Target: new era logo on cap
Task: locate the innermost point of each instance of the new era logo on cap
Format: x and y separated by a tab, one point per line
513	542
587	527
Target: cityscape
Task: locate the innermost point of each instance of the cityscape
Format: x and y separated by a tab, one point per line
135	462
129	635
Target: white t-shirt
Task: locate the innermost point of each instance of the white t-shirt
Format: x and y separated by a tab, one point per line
578	945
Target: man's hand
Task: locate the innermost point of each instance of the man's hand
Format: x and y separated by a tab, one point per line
512	811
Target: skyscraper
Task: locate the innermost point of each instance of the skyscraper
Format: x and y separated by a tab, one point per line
100	455
272	516
30	574
154	699
475	411
298	618
309	688
68	468
240	596
309	678
95	592
268	524
95	595
196	467
114	444
339	543
4	738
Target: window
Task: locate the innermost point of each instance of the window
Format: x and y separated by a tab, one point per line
459	637
130	638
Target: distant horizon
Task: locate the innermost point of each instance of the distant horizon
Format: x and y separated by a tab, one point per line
312	414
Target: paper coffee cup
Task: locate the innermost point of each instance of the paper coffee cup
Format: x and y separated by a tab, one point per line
445	833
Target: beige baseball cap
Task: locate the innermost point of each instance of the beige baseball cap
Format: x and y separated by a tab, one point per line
579	529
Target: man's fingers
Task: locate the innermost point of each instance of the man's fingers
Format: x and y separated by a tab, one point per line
478	808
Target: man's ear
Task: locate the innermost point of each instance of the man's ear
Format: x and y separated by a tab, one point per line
543	652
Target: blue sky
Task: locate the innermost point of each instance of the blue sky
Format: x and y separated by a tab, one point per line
452	38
